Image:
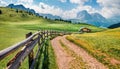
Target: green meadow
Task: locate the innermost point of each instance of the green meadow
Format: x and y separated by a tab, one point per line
105	46
13	29
14	25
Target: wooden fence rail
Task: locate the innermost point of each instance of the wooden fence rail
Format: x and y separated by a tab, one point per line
27	46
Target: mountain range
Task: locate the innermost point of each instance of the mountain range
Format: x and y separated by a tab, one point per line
94	18
21	7
82	17
50	16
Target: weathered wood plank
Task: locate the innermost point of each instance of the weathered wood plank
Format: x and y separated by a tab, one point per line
24	53
13	48
29	44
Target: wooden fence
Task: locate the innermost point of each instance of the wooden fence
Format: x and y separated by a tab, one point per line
27	49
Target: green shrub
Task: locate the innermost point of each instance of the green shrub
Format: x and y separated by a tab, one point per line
11	15
21	11
23	15
16	10
0	11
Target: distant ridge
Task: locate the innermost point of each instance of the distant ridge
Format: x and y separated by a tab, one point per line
114	26
21	7
94	19
50	16
14	15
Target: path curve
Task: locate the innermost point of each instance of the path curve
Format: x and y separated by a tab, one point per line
91	61
63	58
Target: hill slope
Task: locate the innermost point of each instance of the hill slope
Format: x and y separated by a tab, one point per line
8	14
35	23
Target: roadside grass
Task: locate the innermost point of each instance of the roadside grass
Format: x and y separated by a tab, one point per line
47	58
77	61
52	57
104	46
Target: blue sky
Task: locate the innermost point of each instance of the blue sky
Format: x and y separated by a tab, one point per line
70	8
67	5
93	3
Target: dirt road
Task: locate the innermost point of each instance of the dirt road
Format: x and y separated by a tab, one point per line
64	59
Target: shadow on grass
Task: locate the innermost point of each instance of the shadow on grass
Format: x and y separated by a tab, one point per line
43	59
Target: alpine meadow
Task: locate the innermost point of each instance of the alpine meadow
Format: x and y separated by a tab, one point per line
61	34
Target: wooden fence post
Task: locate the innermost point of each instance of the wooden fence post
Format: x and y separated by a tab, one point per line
42	37
31	54
47	34
50	34
39	41
55	33
44	34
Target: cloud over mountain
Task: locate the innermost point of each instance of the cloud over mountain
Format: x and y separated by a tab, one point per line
110	8
94	18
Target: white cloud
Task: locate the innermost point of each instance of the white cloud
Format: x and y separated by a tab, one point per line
80	2
36	8
47	9
63	1
50	9
109	3
44	8
73	13
110	8
68	14
25	1
87	8
3	3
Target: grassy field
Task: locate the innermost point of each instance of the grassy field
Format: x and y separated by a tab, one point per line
105	46
10	33
9	14
24	20
57	25
18	28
